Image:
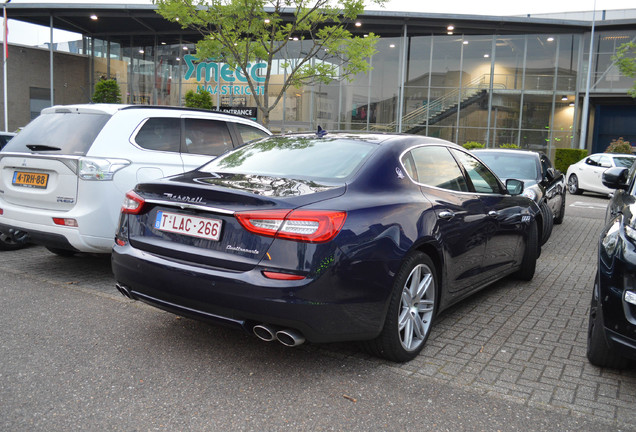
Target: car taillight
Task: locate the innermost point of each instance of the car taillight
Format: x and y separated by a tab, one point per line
133	203
312	226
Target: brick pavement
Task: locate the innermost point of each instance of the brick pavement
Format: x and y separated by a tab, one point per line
523	342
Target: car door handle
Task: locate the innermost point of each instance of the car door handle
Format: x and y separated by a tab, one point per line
446	214
493	213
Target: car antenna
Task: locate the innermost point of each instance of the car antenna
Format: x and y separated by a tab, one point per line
321	132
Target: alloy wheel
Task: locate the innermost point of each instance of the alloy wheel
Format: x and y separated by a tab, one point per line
417	307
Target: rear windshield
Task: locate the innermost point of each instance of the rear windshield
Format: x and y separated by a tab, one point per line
59	133
508	166
624	161
295	157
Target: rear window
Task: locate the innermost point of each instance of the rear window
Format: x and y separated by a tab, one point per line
59	133
625	162
295	157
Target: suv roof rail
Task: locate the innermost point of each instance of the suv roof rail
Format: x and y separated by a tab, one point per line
179	108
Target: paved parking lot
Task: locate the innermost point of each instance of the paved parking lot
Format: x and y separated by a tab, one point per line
510	358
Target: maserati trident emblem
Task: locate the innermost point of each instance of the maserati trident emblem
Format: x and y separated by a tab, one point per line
24	163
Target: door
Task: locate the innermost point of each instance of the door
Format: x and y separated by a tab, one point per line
461	219
503	228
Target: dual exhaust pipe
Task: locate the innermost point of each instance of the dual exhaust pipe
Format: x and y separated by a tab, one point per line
287	337
266	332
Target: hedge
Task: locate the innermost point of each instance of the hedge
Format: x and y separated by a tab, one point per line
563	158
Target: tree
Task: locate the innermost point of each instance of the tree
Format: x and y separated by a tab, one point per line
625	59
107	91
309	39
198	100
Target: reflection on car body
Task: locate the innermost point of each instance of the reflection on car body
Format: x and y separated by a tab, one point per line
339	237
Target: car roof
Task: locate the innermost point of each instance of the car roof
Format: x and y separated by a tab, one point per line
508	151
111	109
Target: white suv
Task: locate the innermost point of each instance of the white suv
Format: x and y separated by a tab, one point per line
64	176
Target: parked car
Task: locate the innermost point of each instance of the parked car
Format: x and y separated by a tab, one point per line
586	174
5	137
64	176
611	340
334	238
542	183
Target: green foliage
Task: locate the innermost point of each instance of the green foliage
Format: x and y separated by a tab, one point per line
509	146
107	91
619	146
469	145
201	99
564	157
315	43
625	59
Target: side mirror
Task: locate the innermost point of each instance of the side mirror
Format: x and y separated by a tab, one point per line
550	174
616	178
605	165
514	187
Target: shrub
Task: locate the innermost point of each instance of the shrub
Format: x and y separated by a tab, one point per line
619	146
565	157
198	100
107	91
473	145
509	146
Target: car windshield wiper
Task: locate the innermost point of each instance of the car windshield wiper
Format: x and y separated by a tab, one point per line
40	147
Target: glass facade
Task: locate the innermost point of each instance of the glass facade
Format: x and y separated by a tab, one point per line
523	89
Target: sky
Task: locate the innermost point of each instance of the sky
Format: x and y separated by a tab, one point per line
26	34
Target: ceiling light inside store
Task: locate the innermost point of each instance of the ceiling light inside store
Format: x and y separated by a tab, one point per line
358	24
465	42
141	51
486	55
267	21
185	48
550	39
450	32
94	17
392	46
571	104
450	27
163	43
564	98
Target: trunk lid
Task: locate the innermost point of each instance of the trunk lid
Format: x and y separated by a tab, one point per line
202	198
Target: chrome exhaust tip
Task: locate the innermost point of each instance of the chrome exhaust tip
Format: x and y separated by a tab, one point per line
125	291
290	338
265	332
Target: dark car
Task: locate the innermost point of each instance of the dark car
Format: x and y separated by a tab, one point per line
542	183
326	238
611	340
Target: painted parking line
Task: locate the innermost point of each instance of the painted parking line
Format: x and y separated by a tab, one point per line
588	205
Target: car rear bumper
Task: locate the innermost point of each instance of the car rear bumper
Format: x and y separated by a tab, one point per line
56	236
322	309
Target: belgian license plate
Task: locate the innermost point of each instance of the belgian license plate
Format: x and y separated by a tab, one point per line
189	225
30	179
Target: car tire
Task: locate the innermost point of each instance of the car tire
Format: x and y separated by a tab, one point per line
548	222
559	219
530	255
573	185
411	311
61	252
9	243
599	352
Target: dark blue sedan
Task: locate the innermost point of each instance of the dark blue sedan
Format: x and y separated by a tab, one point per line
329	238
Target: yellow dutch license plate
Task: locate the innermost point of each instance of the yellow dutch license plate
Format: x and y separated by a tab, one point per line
30	179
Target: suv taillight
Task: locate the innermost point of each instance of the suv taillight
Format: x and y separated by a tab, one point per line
100	169
311	226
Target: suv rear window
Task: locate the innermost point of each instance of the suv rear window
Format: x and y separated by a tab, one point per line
59	133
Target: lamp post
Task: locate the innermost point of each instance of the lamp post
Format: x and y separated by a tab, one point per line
5	50
586	99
